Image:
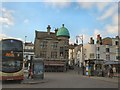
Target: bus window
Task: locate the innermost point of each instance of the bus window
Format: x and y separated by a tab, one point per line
0	54
0	46
12	45
11	66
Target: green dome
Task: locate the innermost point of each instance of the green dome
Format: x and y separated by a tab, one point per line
63	32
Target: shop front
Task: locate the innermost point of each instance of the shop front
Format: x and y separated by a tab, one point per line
99	67
89	67
115	66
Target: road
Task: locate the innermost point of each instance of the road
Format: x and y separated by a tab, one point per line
70	79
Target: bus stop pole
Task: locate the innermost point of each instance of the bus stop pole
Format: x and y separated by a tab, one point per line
31	67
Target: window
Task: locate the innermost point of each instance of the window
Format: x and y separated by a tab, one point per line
61	54
54	45
107	57
98	48
11	66
12	45
78	55
61	49
43	54
118	57
107	50
32	47
66	43
66	54
43	44
116	43
97	56
29	47
53	54
92	55
118	50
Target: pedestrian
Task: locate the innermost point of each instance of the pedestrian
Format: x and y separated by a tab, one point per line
111	72
30	73
83	68
108	71
114	71
89	71
78	67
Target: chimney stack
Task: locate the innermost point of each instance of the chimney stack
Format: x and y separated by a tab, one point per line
62	25
56	29
48	29
99	39
117	37
91	40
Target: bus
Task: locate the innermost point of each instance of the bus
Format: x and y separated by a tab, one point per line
11	59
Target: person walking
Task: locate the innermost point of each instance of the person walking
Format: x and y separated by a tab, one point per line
114	71
78	67
111	72
83	68
30	73
89	71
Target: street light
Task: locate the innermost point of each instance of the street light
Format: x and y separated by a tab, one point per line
25	38
81	38
25	57
25	44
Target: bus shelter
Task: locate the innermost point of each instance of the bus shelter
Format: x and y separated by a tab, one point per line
38	68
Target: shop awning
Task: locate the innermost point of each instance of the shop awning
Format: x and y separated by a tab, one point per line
111	62
99	61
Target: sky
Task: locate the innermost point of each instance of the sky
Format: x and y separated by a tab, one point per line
20	19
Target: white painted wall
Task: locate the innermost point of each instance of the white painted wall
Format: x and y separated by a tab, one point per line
92	49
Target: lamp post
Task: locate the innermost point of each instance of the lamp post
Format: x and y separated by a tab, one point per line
81	38
25	44
25	38
24	51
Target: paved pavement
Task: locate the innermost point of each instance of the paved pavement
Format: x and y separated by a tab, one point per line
33	81
114	79
70	79
30	81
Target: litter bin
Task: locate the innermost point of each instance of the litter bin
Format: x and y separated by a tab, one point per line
38	68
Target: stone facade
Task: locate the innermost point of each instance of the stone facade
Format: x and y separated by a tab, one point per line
53	48
50	46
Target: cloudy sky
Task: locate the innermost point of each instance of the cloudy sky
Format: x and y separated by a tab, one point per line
20	19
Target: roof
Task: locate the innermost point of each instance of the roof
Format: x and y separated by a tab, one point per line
107	41
63	32
29	44
43	35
